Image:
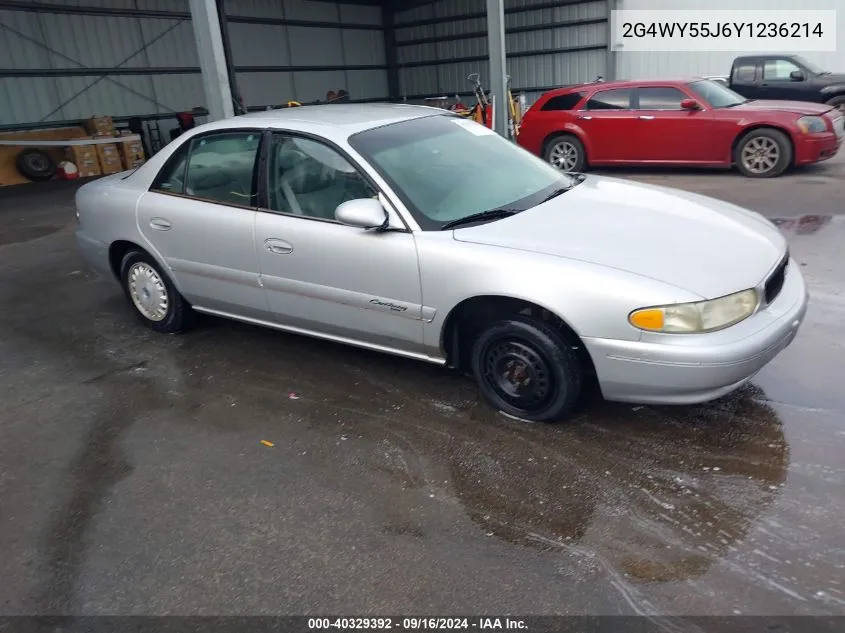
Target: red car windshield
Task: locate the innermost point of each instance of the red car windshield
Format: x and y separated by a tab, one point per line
716	94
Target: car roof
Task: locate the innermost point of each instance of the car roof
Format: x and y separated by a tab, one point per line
623	83
341	119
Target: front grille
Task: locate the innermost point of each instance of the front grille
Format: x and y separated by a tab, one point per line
774	284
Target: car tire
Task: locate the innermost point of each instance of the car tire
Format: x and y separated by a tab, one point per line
152	295
839	103
35	165
566	153
526	369
763	153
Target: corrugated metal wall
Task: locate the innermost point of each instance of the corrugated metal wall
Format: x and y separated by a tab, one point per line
631	65
282	50
549	44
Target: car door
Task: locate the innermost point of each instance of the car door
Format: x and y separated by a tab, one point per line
746	77
199	216
607	122
777	83
325	277
667	133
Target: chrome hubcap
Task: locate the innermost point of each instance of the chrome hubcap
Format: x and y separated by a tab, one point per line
760	155
564	156
148	292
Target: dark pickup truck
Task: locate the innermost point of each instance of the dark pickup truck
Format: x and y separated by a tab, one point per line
786	77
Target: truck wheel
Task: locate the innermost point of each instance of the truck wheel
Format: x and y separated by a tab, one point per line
763	153
524	368
838	103
566	153
35	165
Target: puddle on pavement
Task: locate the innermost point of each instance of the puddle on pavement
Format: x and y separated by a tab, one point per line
17	235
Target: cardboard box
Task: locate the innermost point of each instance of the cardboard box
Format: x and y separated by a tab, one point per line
85	158
109	157
99	126
132	154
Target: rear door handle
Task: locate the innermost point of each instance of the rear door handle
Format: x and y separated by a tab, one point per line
160	224
581	116
646	117
280	247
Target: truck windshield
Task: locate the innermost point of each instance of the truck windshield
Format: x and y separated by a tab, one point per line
716	94
808	65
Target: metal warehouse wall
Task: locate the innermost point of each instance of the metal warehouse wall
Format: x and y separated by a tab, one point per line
549	44
69	63
645	65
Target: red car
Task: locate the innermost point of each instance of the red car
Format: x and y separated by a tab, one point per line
681	122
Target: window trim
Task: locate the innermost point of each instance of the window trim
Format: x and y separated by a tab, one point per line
684	95
264	178
631	100
189	143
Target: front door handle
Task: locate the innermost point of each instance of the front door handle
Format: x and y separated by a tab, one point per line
646	117
280	247
160	224
586	118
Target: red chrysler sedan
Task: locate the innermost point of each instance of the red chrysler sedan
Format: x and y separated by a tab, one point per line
681	122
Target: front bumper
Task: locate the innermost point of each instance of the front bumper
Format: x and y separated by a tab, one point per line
816	147
692	368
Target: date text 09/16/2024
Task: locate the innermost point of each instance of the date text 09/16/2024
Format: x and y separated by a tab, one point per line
416	624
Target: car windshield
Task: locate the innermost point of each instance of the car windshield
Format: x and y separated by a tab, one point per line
716	94
808	65
446	168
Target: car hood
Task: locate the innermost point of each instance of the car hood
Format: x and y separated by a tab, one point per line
797	107
702	245
832	78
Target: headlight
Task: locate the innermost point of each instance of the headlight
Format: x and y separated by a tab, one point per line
702	316
812	124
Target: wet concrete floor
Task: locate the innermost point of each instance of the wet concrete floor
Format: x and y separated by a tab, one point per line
133	480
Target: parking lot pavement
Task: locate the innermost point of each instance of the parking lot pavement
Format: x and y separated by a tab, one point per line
133	479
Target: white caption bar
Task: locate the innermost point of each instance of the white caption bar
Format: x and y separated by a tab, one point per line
734	31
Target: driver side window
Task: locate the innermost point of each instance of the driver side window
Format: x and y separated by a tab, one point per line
311	179
778	69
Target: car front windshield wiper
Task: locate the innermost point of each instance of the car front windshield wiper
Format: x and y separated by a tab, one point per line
492	214
577	179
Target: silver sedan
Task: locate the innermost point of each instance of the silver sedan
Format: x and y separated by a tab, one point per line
412	231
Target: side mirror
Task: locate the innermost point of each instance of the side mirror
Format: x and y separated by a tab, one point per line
364	213
690	104
796	75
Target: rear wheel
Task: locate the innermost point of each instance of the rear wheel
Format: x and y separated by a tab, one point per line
566	153
154	299
526	369
763	153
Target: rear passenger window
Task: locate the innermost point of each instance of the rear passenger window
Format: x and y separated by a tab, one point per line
660	98
221	168
619	99
563	102
746	73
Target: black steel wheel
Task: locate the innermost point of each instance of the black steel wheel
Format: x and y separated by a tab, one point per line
35	164
526	369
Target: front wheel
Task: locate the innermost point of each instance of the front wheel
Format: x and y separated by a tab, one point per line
566	153
526	369
154	299
763	153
